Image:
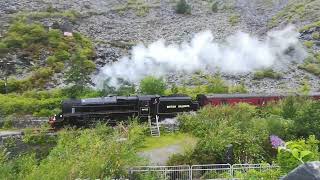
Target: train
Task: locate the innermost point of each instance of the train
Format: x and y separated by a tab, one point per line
115	109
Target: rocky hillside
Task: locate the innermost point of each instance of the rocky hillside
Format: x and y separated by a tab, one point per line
115	26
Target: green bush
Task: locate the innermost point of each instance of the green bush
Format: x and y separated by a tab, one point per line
234	19
297	152
311	67
216	85
316	35
268	174
238	89
267	73
218	127
309	44
183	7
214	6
8	122
152	85
307	120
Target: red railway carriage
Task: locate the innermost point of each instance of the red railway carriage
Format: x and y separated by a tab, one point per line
254	99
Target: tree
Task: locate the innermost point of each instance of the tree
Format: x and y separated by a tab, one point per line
79	73
183	7
152	85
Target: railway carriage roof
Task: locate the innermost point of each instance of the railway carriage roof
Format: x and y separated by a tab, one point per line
254	95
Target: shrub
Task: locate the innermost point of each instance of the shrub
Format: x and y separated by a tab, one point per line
234	19
269	174
183	7
91	153
297	152
316	35
267	73
216	85
305	87
62	55
152	85
8	122
311	67
309	44
238	89
214	6
307	120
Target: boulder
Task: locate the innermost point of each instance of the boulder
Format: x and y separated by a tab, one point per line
307	171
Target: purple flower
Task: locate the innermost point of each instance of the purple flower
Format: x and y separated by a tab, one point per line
276	142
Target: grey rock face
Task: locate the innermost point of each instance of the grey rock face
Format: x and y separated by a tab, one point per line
114	32
307	171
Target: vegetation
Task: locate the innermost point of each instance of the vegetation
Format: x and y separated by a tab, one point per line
214	6
247	129
311	67
234	20
140	7
91	153
310	26
38	103
31	39
297	11
50	13
267	73
152	85
183	7
186	140
309	44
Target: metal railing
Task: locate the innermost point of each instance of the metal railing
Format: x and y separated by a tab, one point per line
211	171
195	172
160	172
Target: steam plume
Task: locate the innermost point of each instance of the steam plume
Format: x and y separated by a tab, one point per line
240	53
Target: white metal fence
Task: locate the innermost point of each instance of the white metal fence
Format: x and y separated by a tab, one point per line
195	172
160	172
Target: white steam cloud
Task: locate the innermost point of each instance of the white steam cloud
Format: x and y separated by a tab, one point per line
240	53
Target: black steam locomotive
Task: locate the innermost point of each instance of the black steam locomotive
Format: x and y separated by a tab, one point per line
113	109
86	112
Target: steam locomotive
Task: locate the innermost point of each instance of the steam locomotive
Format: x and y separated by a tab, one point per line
113	109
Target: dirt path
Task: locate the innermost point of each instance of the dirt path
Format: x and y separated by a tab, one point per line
161	155
5	133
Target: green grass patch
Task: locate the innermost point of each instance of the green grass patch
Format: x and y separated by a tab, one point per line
311	68
309	44
165	140
234	19
297	11
267	73
140	7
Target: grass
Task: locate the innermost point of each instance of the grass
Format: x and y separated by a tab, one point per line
297	10
140	7
71	15
310	26
165	140
309	44
311	68
267	73
234	19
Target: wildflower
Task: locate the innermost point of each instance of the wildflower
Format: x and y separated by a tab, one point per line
276	142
